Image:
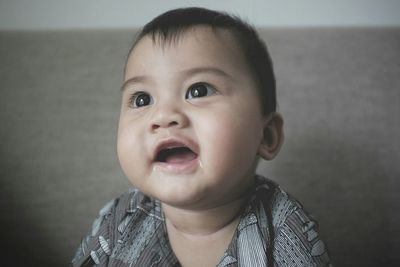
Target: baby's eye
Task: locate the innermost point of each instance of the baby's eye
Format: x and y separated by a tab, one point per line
199	90
140	99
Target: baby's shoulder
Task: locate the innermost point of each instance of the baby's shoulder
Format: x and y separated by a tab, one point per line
278	202
116	209
96	247
295	231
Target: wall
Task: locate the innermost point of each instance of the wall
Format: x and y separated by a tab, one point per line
94	14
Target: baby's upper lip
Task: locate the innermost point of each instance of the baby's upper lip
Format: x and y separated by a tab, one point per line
174	142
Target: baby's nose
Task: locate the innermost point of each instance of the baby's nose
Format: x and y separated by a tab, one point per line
167	118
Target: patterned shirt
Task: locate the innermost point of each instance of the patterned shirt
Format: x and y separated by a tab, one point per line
274	230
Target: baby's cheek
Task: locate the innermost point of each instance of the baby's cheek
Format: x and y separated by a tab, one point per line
127	148
225	141
123	153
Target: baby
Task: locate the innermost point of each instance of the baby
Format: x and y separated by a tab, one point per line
198	111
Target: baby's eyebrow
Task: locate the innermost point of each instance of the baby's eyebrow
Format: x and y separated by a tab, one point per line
187	72
211	70
136	79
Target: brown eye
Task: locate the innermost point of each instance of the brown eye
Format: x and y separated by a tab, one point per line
199	90
140	100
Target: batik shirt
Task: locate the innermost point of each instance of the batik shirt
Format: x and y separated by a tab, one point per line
274	230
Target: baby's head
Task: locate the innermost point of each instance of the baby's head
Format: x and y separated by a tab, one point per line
198	109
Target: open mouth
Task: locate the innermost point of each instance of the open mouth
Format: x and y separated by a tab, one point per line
175	155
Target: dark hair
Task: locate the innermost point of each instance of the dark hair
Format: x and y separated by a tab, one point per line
169	25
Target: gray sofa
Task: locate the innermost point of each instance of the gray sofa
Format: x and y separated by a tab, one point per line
338	90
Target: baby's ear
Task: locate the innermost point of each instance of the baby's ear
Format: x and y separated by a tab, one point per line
272	136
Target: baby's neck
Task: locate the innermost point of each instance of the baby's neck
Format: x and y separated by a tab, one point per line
203	222
200	237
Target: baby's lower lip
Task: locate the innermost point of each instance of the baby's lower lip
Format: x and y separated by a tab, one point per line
179	166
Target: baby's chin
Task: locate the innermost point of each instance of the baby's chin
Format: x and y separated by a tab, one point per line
180	197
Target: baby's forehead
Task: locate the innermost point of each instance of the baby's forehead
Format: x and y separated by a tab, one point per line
200	33
202	45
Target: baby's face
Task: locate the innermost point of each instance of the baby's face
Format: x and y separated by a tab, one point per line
191	123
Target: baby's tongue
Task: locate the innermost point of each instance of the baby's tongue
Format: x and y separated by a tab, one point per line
180	155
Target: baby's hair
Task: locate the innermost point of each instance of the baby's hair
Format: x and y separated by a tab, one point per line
169	26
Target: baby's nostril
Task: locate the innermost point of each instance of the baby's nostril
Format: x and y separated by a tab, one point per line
155	126
173	123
